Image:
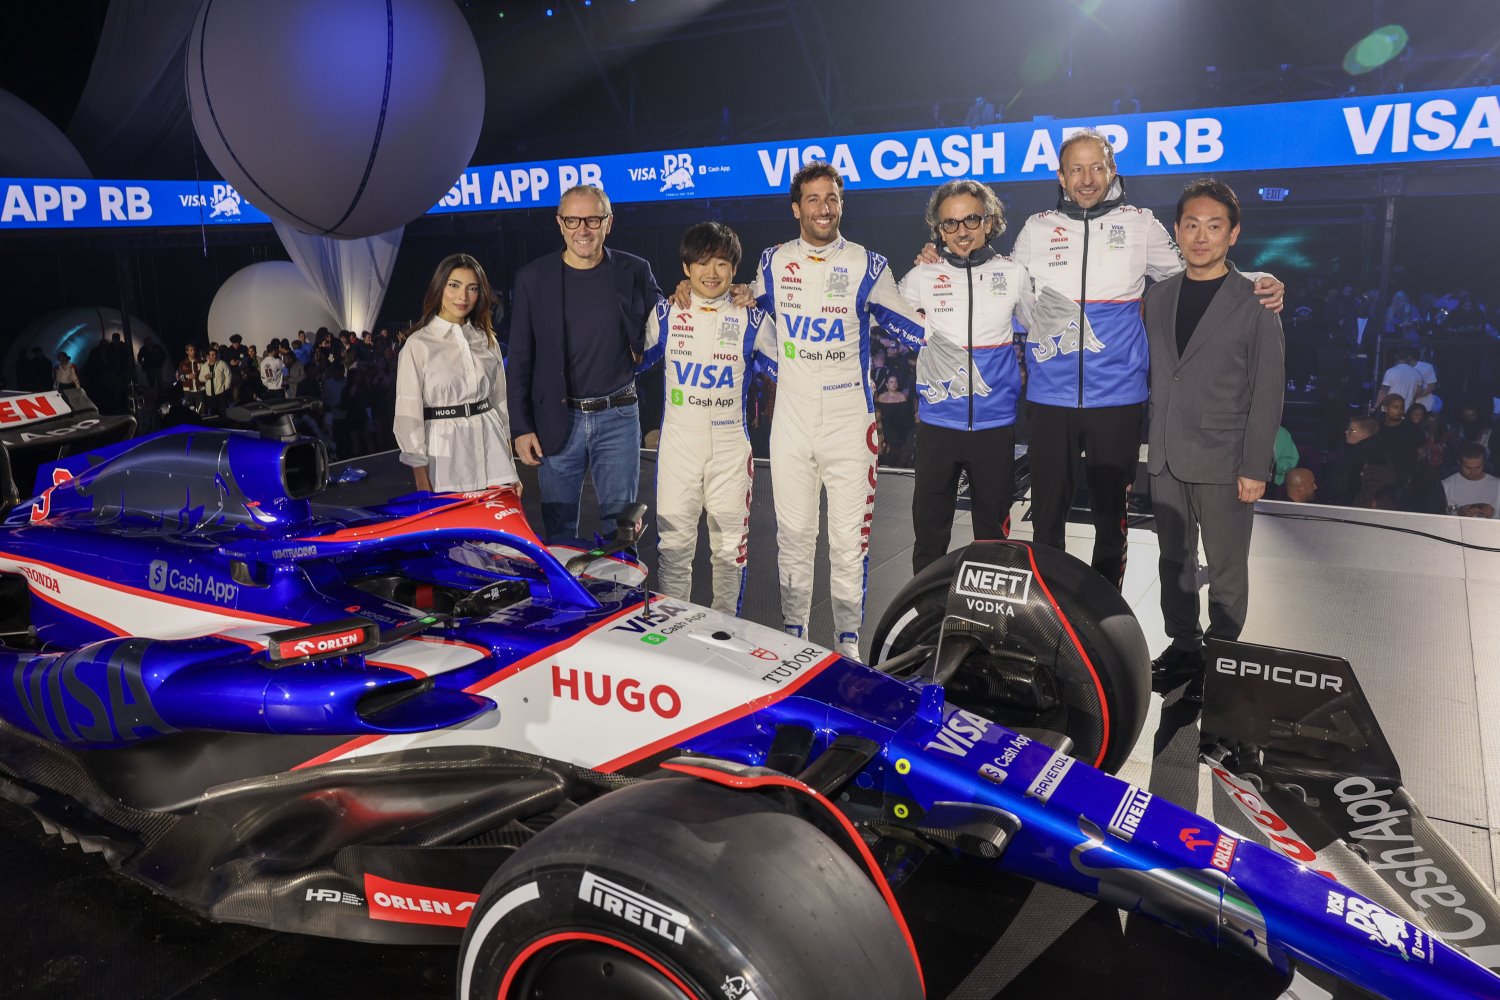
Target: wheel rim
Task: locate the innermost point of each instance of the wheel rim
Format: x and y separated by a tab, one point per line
581	964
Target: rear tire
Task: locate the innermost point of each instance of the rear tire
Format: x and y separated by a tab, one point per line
1098	699
678	888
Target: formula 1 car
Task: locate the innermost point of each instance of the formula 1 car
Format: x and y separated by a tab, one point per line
413	723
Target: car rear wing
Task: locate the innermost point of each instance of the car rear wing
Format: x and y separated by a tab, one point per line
1295	744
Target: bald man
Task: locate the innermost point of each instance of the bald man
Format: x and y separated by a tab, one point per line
1301	487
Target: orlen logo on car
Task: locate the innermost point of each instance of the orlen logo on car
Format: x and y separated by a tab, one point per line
602	689
417	904
315	645
1000	583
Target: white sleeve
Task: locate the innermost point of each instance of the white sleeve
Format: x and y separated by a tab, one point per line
409	427
1163	259
498	399
893	313
1021	251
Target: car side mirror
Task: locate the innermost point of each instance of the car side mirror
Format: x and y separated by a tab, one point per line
630	524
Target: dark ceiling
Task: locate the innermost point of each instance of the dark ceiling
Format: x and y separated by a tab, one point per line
614	75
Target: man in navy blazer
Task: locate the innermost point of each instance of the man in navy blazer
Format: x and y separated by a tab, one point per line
577	329
1218	373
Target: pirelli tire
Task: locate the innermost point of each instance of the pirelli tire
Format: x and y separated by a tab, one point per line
1099	684
678	888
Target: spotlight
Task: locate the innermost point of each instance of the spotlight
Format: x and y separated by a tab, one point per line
549	11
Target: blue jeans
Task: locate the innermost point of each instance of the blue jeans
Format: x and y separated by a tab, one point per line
608	444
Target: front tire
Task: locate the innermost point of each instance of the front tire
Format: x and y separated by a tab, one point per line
1094	690
679	889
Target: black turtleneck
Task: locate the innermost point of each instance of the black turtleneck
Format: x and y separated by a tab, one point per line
1192	303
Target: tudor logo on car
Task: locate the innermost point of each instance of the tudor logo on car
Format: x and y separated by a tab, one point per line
602	689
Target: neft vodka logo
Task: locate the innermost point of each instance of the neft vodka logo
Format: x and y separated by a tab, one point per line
1128	814
634	908
1001	583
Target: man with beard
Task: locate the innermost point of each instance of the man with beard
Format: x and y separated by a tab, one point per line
825	293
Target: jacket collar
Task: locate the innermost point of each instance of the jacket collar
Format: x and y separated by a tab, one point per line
1113	199
975	258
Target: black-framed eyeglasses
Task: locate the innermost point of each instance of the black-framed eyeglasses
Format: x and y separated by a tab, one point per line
969	222
573	221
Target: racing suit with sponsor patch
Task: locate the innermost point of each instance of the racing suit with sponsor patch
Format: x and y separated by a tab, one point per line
1087	360
969	384
703	458
824	300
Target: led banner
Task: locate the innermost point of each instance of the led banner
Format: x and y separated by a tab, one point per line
1395	128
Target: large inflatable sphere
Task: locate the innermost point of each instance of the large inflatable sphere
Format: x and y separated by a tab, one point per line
265	302
341	119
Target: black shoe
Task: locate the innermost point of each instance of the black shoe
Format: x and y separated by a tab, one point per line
1175	666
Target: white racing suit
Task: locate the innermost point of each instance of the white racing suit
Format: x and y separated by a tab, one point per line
703	460
824	300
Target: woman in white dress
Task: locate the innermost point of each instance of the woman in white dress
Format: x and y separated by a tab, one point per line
452	425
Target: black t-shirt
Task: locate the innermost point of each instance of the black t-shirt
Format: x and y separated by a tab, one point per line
598	361
1192	303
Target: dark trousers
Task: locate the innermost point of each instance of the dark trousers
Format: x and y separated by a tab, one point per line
1109	438
988	456
1182	511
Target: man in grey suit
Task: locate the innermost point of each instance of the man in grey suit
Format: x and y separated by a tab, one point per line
1217	377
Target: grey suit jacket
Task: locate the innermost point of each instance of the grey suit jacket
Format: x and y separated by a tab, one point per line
1215	409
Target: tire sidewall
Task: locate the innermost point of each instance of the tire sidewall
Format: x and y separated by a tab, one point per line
1100	618
763	896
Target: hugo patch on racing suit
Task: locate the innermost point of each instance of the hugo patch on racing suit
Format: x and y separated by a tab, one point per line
824	300
703	458
1087	352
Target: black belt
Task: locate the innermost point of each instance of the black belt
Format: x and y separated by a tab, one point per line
461	410
622	398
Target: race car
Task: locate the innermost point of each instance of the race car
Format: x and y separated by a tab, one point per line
412	722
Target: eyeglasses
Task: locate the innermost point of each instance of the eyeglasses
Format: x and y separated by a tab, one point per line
573	221
969	222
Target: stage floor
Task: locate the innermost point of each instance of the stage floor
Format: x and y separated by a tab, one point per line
1416	616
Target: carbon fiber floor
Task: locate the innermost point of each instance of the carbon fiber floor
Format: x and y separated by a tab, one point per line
1415	615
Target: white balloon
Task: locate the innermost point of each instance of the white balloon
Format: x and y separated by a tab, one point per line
341	119
265	302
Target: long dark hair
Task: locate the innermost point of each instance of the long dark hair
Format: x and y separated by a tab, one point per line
480	315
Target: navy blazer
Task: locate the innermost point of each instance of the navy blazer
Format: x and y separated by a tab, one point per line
534	376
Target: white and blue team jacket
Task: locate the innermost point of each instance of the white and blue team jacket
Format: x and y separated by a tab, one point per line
1087	343
968	376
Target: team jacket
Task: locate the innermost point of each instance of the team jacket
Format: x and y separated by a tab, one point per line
968	375
1089	268
824	300
709	354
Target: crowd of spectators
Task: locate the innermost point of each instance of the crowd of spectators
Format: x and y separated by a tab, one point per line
1411	392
